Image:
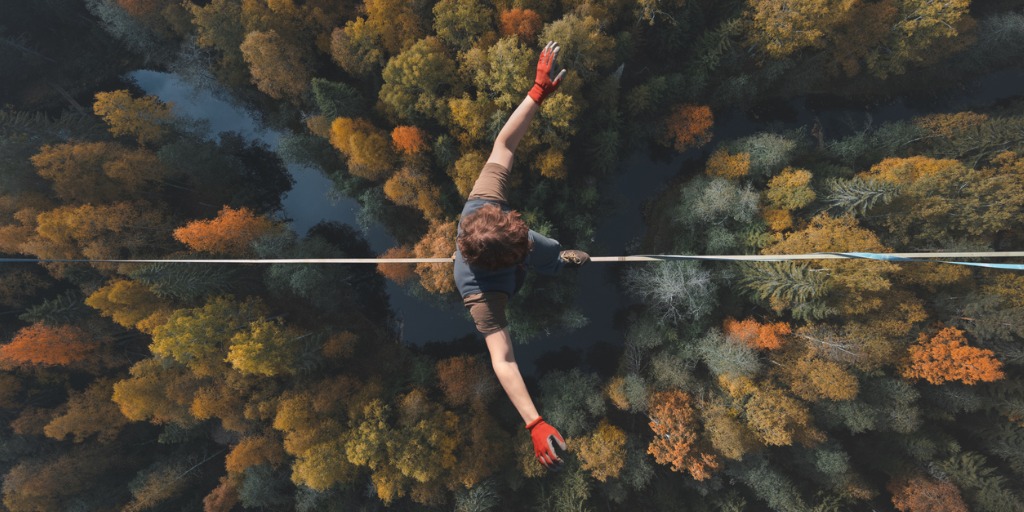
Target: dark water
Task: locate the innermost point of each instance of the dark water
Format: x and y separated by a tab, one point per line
310	200
639	179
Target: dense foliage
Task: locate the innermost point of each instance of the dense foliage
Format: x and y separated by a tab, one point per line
835	385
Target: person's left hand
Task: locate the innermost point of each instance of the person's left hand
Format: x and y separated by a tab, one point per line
545	84
544	438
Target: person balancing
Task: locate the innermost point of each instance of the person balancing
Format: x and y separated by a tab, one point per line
495	249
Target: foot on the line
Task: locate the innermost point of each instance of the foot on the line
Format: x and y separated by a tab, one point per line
573	257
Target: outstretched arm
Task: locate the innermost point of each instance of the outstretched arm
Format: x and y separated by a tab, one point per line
505	367
513	131
515	128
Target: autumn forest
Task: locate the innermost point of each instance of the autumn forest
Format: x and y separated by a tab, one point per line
795	126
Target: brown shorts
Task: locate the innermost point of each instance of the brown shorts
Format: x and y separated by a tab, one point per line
492	183
487	310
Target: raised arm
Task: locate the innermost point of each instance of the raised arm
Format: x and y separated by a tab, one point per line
515	128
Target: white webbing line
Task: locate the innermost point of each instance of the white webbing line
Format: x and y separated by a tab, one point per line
597	259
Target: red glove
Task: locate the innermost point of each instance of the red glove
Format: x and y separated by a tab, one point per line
544	436
544	84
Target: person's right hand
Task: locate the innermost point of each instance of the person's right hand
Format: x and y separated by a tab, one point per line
544	438
544	83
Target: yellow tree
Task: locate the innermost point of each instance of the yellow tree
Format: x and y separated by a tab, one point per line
424	445
466	170
856	37
97	232
782	27
551	164
411	187
461	24
218	26
97	172
603	453
498	72
277	66
398	23
198	338
232	232
813	379
368	149
87	413
418	81
486	450
157	392
947	357
728	165
147	118
265	348
786	192
922	31
943	199
311	421
357	48
281	16
726	432
675	440
439	242
130	304
225	402
367	446
777	419
790	189
774	418
855	287
585	46
264	448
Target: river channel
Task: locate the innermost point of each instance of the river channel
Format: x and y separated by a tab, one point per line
640	178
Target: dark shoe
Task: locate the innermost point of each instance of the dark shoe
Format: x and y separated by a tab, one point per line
573	258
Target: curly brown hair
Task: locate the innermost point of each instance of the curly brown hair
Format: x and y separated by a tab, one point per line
492	238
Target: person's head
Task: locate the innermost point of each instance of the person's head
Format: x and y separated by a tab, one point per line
492	238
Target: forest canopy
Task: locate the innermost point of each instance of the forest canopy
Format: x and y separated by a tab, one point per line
820	386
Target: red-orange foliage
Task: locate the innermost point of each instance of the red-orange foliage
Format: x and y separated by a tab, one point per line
675	435
46	345
231	232
342	345
409	139
689	126
31	421
947	357
524	23
465	380
224	497
757	335
253	451
140	8
397	272
922	494
439	242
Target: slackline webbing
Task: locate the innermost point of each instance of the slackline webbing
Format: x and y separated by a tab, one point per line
935	257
